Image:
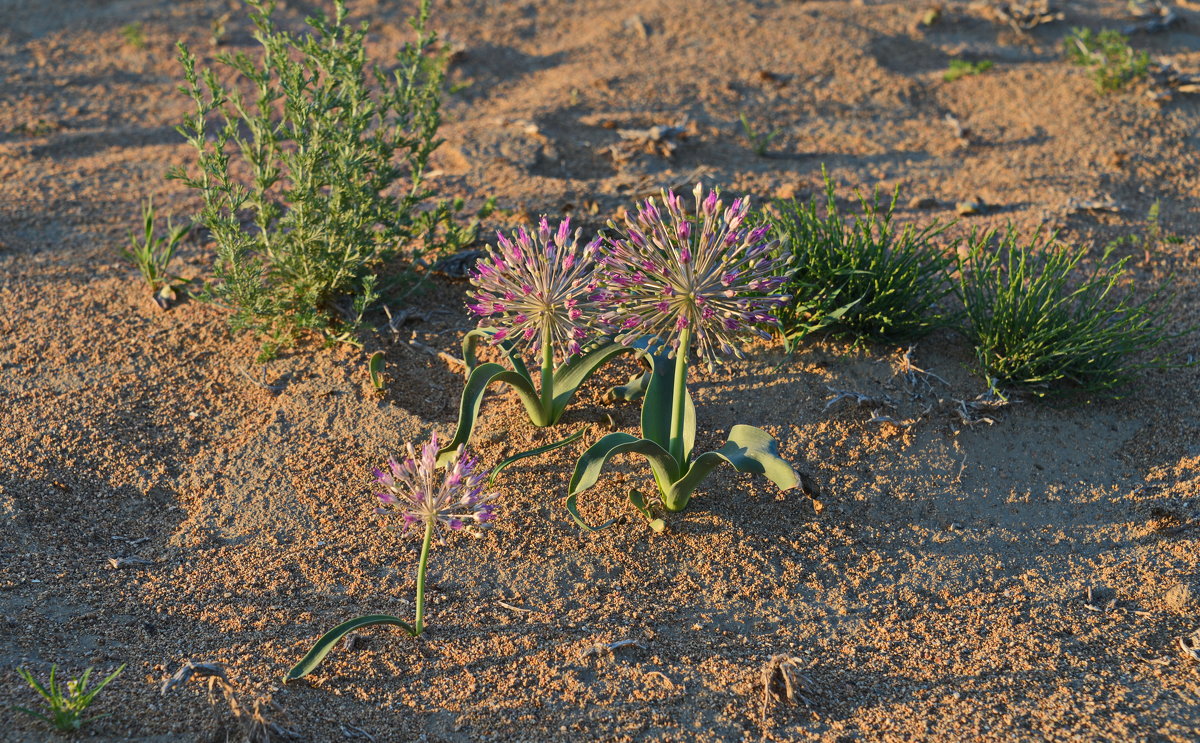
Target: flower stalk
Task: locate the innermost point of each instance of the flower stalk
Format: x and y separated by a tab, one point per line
679	396
419	625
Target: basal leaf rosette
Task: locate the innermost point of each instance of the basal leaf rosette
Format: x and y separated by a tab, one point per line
678	277
698	275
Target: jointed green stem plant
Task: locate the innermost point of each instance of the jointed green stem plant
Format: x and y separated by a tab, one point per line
863	278
1039	319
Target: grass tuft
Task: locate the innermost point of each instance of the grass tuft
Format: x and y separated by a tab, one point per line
1040	320
865	278
152	254
65	704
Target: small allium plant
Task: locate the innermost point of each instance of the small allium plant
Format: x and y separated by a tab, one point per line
534	294
421	496
680	280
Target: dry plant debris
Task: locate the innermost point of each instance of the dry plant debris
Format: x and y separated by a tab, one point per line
1023	16
609	647
1153	17
1166	80
858	398
783	681
660	140
256	721
1190	645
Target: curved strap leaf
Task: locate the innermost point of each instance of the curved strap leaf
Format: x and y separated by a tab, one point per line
632	390
314	657
590	464
375	369
533	453
471	340
748	449
657	402
569	377
472	398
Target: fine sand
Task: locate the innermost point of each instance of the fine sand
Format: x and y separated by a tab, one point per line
1010	580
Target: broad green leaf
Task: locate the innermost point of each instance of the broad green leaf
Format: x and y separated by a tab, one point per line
471	341
591	463
657	403
472	398
569	377
748	449
314	657
375	368
634	389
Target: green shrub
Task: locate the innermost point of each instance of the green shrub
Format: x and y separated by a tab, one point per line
866	278
1113	63
1038	318
324	155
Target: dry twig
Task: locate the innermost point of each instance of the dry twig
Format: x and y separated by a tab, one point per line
602	647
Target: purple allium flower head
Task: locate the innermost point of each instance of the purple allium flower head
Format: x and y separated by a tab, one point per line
419	493
696	269
535	285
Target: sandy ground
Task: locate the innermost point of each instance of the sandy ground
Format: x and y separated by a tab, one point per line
941	595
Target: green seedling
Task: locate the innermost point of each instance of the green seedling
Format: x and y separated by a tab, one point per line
961	68
152	255
66	704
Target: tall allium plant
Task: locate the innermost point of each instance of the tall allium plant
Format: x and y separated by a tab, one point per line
533	294
678	280
422	497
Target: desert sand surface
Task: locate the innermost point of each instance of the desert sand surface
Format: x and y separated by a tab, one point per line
1007	581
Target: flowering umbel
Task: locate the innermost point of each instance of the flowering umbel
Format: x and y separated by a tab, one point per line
420	494
536	288
701	270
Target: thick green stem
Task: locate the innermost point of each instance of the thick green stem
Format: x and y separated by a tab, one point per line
419	625
547	376
679	398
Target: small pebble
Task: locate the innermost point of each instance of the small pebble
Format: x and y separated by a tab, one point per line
971	206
